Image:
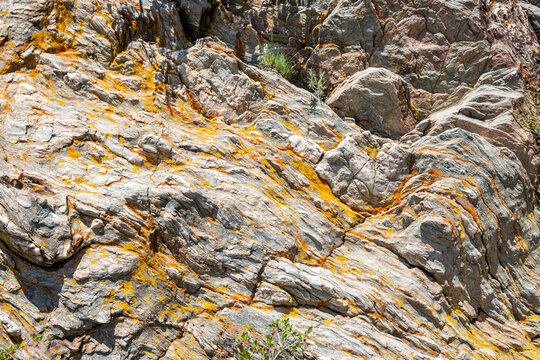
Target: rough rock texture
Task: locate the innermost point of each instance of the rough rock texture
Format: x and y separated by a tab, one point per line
376	99
159	191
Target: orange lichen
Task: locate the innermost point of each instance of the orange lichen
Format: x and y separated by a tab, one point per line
372	152
325	193
72	153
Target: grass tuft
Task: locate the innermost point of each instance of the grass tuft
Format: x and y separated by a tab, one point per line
530	115
275	59
317	82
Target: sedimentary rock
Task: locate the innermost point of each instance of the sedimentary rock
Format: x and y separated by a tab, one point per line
159	191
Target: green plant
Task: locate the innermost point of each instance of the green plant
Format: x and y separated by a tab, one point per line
282	338
532	124
7	353
317	82
275	59
530	115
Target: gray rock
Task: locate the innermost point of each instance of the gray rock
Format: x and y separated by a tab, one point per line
158	191
272	295
306	148
377	99
364	174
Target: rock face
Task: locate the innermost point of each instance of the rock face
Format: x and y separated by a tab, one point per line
159	191
376	99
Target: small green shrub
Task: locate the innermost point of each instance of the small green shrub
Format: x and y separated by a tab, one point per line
282	338
533	124
275	59
317	82
530	115
7	353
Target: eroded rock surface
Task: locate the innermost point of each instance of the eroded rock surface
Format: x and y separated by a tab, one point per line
159	191
376	99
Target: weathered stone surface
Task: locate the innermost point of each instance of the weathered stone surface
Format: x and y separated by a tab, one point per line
159	191
273	295
490	111
306	148
377	100
532	8
363	173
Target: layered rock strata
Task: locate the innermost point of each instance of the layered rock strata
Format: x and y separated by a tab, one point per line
159	191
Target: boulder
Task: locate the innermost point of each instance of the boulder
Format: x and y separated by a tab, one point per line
377	99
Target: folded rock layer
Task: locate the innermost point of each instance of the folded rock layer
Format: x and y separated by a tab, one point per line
159	190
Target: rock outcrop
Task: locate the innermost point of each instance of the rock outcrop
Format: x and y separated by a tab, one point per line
159	191
376	99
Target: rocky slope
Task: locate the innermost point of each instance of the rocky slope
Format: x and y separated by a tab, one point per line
159	191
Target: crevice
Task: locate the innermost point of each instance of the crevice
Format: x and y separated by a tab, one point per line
196	31
258	282
441	72
411	266
381	31
323	261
